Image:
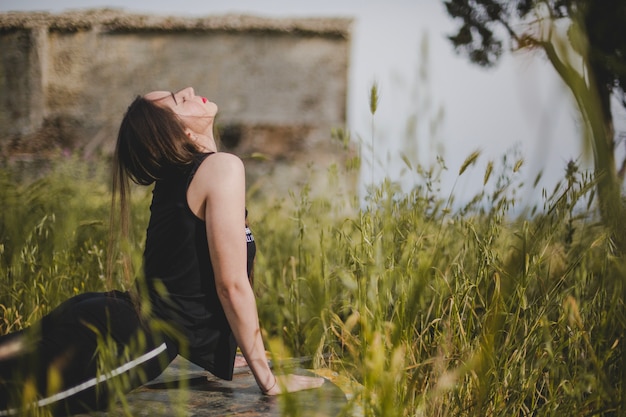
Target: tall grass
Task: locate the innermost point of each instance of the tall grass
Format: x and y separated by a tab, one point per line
439	312
429	308
53	238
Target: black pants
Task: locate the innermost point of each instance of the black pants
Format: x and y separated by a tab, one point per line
79	357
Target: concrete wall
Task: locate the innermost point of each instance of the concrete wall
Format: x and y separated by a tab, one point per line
280	84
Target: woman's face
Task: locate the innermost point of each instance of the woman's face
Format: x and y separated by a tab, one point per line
197	113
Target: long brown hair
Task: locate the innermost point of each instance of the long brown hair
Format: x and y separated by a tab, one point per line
151	139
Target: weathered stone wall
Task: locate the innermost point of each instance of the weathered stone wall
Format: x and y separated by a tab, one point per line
280	84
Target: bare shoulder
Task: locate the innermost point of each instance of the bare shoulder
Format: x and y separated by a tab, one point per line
219	175
222	164
220	170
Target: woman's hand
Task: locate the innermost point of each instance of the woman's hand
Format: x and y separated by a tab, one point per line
293	383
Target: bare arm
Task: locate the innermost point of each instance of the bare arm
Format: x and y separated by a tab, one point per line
222	178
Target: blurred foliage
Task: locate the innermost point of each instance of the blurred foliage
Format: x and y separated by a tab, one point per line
579	40
428	308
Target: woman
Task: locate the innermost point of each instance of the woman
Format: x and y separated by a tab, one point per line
195	299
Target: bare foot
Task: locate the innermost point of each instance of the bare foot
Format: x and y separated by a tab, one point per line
240	361
11	349
292	383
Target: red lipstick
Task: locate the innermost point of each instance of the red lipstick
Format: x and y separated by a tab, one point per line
204	100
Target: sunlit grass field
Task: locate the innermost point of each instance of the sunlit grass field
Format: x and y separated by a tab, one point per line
428	308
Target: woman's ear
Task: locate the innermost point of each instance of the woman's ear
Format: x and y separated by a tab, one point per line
191	135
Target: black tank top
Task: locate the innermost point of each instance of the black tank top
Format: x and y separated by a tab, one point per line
177	256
